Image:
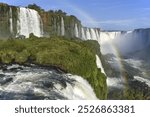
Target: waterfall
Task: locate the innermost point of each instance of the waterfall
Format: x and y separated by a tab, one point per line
125	42
99	64
93	34
106	42
62	27
109	36
81	90
41	26
29	22
76	31
11	20
88	34
97	34
83	33
113	35
19	82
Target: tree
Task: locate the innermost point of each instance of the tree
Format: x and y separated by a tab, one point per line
60	12
35	7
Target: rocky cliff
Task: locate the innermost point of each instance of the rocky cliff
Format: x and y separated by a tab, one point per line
16	21
8	20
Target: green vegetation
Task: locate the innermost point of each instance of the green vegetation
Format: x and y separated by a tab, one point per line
73	56
35	7
4	22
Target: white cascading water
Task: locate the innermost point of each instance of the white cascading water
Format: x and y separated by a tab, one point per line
107	36
19	82
11	20
127	42
88	34
76	31
111	82
82	89
93	34
97	35
83	34
106	41
99	64
29	22
62	27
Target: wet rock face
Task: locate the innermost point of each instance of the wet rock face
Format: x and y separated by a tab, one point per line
8	21
56	24
50	23
16	21
4	20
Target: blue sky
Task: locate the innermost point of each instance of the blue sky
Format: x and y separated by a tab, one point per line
105	14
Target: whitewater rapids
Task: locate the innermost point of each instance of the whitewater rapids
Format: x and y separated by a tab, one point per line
32	83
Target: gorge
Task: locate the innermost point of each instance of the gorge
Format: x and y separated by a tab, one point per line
123	54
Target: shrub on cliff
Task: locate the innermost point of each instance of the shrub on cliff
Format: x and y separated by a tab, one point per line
35	7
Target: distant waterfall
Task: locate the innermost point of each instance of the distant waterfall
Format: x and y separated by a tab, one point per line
83	33
62	27
11	20
108	36
97	34
76	31
126	42
93	34
29	22
88	34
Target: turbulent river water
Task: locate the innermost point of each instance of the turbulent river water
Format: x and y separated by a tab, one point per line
21	82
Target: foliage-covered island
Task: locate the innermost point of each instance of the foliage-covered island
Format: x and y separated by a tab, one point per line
73	56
